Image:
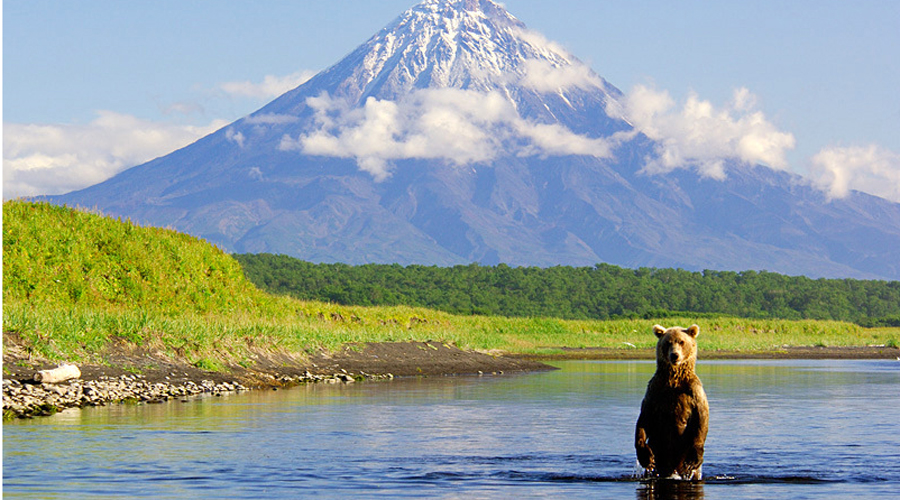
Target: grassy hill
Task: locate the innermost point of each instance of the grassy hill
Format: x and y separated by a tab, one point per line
76	283
58	257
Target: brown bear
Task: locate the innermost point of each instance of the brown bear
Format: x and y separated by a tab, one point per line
671	430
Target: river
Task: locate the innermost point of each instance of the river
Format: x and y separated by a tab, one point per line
778	429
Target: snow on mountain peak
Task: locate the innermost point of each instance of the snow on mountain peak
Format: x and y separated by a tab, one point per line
465	44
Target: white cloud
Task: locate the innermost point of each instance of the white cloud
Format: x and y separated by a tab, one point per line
459	126
744	100
255	173
235	137
271	86
183	108
542	45
701	136
544	76
54	159
872	169
556	140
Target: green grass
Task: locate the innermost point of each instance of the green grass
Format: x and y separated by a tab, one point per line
58	257
76	282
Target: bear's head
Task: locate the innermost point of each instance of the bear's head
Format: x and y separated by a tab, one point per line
676	345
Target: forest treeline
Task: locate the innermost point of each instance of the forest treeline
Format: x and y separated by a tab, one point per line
600	292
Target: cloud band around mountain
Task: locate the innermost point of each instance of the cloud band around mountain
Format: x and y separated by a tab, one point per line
466	127
462	127
459	126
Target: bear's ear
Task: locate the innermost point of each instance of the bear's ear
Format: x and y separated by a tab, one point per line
658	330
693	331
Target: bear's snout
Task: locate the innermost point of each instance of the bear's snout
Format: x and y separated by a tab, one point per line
674	357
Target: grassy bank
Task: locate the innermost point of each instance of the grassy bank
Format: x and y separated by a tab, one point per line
76	283
213	340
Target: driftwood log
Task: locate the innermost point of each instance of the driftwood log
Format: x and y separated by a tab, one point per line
59	374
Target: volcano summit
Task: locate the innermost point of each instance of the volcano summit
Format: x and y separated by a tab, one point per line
458	135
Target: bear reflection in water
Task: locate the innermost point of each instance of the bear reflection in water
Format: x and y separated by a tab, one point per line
664	489
671	430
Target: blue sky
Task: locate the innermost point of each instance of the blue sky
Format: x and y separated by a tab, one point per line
93	87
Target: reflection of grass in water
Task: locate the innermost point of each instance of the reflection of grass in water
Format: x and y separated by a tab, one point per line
76	282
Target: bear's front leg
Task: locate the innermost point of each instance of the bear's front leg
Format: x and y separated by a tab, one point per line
644	453
694	457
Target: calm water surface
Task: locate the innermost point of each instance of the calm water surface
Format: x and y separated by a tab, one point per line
778	429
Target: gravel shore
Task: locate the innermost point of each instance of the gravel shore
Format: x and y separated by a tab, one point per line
26	398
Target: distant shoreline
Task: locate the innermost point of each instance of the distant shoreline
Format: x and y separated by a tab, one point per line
132	375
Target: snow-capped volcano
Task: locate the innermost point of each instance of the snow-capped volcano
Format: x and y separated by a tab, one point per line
462	81
458	135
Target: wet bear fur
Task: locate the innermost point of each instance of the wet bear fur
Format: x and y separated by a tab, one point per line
671	430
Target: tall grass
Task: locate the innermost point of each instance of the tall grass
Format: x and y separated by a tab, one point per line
76	283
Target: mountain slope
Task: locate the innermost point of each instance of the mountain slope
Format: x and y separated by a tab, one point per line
455	135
